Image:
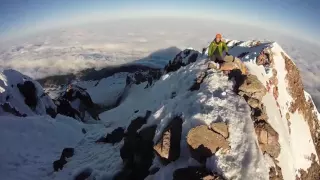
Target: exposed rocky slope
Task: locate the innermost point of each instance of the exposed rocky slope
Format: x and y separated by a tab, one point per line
190	122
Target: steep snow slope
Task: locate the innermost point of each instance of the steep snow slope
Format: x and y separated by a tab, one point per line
156	111
296	138
28	145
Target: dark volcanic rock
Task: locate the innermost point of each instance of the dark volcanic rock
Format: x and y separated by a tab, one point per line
29	91
58	164
64	107
184	58
86	104
66	153
137	123
137	151
115	136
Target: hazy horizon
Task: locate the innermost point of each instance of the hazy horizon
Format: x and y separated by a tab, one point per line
291	17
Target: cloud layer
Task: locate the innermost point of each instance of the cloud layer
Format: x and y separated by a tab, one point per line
63	51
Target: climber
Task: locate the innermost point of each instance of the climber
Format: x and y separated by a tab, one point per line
222	62
217	49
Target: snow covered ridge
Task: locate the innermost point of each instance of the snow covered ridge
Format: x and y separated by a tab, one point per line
296	112
190	122
22	96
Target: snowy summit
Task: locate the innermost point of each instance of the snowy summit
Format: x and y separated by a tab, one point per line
183	121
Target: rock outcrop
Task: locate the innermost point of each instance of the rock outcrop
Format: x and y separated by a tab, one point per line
204	142
268	138
76	103
299	102
252	88
29	91
139	77
137	151
114	137
184	58
66	153
168	146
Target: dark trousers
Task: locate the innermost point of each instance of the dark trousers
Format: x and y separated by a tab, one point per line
217	58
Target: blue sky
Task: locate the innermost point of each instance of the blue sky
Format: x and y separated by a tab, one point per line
292	17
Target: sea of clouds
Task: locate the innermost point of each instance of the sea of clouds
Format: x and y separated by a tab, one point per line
68	50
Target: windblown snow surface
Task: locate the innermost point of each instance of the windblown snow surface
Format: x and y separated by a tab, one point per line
30	145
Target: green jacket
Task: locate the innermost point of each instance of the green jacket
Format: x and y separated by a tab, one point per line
222	46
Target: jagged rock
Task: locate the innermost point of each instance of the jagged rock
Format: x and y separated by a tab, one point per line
254	103
168	146
203	142
274	80
262	59
312	172
137	123
184	58
137	152
83	130
252	87
195	173
139	77
58	164
259	113
64	107
221	128
275	173
115	136
268	138
287	116
275	92
67	153
29	91
198	81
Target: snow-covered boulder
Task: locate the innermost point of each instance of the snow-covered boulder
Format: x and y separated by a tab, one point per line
22	96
